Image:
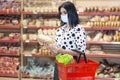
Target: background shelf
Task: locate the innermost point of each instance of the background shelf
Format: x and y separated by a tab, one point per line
9	26
102	28
10	41
99	13
40	13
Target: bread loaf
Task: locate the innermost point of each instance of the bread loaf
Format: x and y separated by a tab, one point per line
45	38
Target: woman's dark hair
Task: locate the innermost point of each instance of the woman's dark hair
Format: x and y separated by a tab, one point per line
71	11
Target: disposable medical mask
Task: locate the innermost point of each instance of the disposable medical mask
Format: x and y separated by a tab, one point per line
64	18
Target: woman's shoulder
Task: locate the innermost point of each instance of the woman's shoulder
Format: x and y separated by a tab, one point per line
78	26
61	27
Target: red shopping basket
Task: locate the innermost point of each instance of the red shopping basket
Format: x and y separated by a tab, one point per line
77	71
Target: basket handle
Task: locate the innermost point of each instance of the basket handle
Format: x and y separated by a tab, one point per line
78	58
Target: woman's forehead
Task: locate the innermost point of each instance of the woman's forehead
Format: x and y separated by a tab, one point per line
62	9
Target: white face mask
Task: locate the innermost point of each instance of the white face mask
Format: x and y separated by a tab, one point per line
64	18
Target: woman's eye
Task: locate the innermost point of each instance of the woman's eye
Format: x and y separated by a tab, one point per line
64	12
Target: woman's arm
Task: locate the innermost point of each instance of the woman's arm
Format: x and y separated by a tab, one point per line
55	50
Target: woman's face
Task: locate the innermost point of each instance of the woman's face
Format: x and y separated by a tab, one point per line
64	15
63	11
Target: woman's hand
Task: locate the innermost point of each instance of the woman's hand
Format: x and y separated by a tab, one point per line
53	48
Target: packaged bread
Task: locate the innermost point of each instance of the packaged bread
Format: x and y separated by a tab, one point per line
2	22
92	24
38	23
98	36
45	32
89	38
112	24
40	31
117	18
116	33
105	19
24	36
44	38
115	24
114	38
32	22
32	37
106	24
34	51
107	38
15	22
24	22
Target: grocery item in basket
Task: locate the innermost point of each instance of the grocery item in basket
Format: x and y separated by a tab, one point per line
65	58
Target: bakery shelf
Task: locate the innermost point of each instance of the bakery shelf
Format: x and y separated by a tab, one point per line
42	27
6	13
88	42
30	41
9	54
49	27
80	13
49	76
104	55
99	13
9	26
51	13
12	41
102	28
8	75
37	55
98	42
89	55
31	27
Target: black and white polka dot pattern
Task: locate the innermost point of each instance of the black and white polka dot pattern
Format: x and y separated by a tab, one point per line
72	39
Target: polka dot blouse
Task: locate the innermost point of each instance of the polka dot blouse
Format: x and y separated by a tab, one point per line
72	39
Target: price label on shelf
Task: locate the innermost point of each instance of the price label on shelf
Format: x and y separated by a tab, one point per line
25	27
119	29
27	41
28	54
34	12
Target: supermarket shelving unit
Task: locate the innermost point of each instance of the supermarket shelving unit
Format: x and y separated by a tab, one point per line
22	29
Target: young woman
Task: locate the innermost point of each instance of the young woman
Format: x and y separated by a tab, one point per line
70	37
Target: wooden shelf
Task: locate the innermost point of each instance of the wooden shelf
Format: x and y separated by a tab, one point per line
9	26
37	76
49	76
98	42
8	75
104	55
102	28
44	13
99	13
30	41
80	13
88	42
41	27
5	13
9	54
36	55
12	41
88	55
